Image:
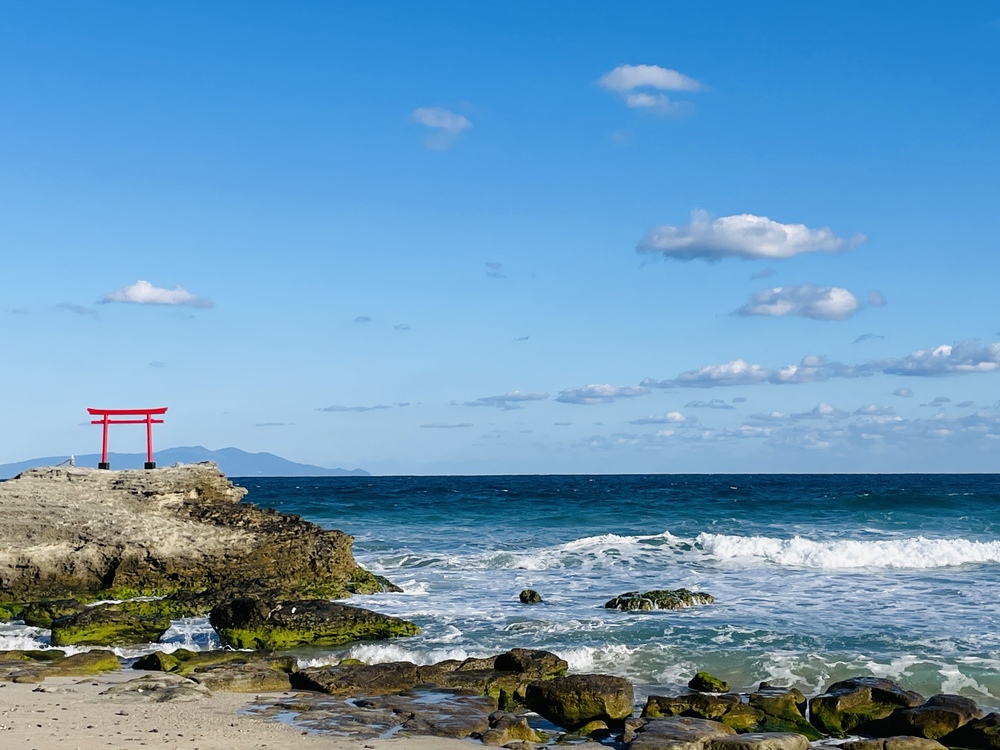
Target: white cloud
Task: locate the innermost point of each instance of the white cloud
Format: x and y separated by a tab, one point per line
625	78
446	125
742	236
144	293
440	426
941	361
960	359
340	407
805	301
903	392
671	417
868	337
509	400
640	87
78	309
599	393
713	403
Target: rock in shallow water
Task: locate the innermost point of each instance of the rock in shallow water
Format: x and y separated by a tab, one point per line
859	700
659	599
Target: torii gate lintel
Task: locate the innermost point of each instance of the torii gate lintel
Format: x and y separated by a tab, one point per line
147	419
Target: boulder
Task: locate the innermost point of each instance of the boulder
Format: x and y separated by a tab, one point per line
696	705
576	700
893	743
71	532
677	733
982	734
659	599
506	728
760	741
365	679
533	663
256	624
530	596
249	677
940	715
107	625
703	682
850	703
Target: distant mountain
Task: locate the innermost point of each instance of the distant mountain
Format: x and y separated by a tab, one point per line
232	461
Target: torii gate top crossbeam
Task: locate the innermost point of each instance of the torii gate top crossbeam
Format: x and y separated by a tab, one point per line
147	419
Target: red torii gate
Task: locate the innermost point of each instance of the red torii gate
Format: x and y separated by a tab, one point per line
147	420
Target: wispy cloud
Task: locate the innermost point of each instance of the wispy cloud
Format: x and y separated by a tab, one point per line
340	407
275	424
157	364
713	403
78	309
522	338
763	273
868	337
508	401
446	126
401	327
937	401
903	392
599	393
744	236
641	87
804	301
144	293
670	417
362	319
440	426
495	270
941	361
19	311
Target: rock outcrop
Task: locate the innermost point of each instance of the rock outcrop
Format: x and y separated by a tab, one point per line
81	533
575	701
860	700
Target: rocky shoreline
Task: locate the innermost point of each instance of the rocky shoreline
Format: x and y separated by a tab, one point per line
171	543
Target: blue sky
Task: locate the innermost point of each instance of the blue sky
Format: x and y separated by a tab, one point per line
512	237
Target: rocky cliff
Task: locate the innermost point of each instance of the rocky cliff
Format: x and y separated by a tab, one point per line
88	534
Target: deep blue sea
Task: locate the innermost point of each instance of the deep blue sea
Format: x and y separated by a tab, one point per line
815	578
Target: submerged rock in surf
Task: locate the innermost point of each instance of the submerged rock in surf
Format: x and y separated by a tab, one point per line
530	596
257	623
659	599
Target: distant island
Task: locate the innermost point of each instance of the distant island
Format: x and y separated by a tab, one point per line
232	461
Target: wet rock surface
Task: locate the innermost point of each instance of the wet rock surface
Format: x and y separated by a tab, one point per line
675	733
435	713
939	716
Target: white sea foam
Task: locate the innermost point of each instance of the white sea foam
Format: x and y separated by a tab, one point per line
916	552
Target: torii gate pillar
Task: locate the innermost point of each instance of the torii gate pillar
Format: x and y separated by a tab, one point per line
147	419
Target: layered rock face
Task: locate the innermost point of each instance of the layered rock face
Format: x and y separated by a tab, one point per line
72	532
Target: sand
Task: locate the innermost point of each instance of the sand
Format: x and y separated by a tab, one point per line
70	715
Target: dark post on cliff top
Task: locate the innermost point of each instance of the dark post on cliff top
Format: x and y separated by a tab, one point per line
147	419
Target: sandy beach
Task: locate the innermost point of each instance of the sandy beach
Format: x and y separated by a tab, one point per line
66	713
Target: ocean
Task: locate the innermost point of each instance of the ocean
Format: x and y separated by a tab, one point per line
815	578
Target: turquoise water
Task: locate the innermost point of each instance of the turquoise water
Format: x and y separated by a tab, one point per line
816	577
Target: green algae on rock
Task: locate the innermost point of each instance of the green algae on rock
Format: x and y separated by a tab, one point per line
703	682
659	599
256	623
108	625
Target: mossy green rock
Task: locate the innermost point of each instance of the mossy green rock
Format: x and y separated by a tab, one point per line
983	734
108	625
575	701
659	599
43	614
696	705
859	700
11	611
703	682
78	665
257	624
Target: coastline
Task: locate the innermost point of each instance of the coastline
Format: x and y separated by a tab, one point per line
64	713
